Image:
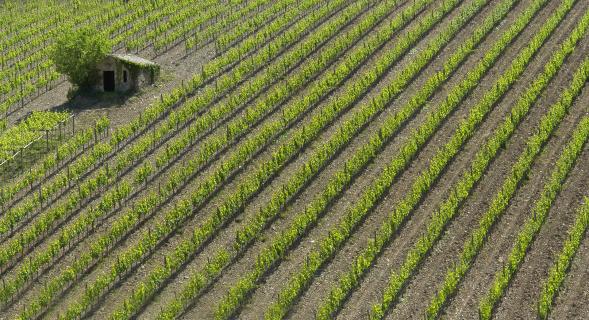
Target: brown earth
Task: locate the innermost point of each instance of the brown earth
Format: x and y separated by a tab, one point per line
519	300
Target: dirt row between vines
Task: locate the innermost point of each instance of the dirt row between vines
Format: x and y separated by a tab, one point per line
177	68
304	309
129	241
519	299
268	290
416	296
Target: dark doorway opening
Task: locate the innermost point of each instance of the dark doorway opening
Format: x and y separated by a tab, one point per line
109	80
125	76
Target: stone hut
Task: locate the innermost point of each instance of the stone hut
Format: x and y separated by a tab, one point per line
125	72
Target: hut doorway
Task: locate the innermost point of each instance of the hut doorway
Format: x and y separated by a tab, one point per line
109	80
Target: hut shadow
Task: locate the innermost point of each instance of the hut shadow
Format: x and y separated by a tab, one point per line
93	100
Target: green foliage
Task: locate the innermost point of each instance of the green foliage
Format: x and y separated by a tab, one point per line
26	66
184	114
520	168
532	226
76	53
236	128
278	248
31	129
561	265
462	189
146	142
303	136
183	111
337	236
69	149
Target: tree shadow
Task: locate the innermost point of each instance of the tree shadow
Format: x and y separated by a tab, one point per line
83	100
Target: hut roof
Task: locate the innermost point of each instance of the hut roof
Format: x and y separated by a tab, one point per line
133	60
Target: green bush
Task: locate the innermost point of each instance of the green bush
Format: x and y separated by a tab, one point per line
77	52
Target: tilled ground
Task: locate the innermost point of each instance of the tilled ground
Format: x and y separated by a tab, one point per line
521	297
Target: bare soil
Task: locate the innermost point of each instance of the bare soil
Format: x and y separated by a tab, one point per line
571	300
520	298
